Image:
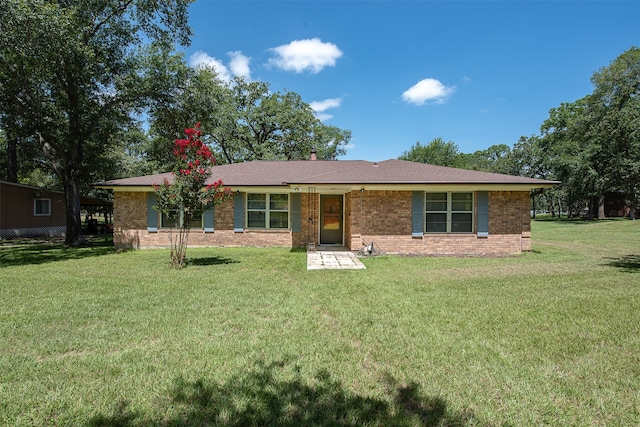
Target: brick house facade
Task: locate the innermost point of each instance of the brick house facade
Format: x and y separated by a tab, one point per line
403	207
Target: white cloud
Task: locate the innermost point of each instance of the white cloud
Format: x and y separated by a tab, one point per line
240	64
428	90
306	55
319	107
201	58
323	117
326	104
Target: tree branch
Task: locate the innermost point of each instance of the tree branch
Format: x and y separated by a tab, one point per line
115	12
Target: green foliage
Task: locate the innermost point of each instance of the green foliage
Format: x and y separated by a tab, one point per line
615	119
437	152
593	144
189	195
72	76
244	121
497	158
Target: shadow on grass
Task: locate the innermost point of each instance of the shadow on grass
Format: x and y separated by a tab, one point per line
212	260
41	251
276	394
628	263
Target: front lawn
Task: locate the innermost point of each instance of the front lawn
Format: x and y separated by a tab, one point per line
244	336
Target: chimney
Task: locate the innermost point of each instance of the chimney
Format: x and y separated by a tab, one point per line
313	154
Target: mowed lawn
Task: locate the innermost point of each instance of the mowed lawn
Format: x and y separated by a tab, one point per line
248	336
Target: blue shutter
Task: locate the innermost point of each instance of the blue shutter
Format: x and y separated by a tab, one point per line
152	214
417	214
296	213
238	212
483	213
208	220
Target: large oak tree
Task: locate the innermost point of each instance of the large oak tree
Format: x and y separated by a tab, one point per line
593	144
73	73
242	121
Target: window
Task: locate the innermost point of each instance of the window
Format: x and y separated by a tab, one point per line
267	210
42	207
449	213
170	221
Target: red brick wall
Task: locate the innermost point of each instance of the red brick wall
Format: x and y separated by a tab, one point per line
444	244
383	217
381	212
223	216
310	205
509	226
509	212
130	227
348	209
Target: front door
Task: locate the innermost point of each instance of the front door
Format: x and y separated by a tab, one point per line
331	219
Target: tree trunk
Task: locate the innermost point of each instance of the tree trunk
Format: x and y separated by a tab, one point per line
12	158
74	235
533	206
559	208
601	214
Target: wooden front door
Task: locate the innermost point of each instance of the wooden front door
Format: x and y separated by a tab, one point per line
331	220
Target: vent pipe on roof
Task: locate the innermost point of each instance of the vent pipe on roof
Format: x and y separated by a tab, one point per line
313	154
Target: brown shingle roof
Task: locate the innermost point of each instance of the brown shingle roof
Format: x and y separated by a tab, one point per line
341	172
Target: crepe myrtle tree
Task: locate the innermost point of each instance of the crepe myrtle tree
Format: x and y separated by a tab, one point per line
188	195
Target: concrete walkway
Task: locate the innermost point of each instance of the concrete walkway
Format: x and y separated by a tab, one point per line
333	260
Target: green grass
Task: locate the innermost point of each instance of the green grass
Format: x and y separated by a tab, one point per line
245	336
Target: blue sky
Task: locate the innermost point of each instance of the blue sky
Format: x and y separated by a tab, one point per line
398	72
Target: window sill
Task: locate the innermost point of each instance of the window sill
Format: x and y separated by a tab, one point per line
450	234
170	230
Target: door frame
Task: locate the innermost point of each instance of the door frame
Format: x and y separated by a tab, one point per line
321	218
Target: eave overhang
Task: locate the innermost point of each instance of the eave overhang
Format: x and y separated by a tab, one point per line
345	187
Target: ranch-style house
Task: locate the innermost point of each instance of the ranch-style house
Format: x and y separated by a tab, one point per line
403	207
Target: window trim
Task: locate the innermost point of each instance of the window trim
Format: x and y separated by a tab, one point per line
449	212
267	212
35	206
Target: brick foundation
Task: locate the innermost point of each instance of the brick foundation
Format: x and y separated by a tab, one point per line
443	244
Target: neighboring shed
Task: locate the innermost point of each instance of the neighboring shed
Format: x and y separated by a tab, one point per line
27	211
616	205
404	207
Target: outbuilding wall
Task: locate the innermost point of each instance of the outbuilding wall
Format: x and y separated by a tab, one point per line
17	218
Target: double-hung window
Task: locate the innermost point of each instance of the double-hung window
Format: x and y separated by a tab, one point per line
267	210
449	212
42	207
170	221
